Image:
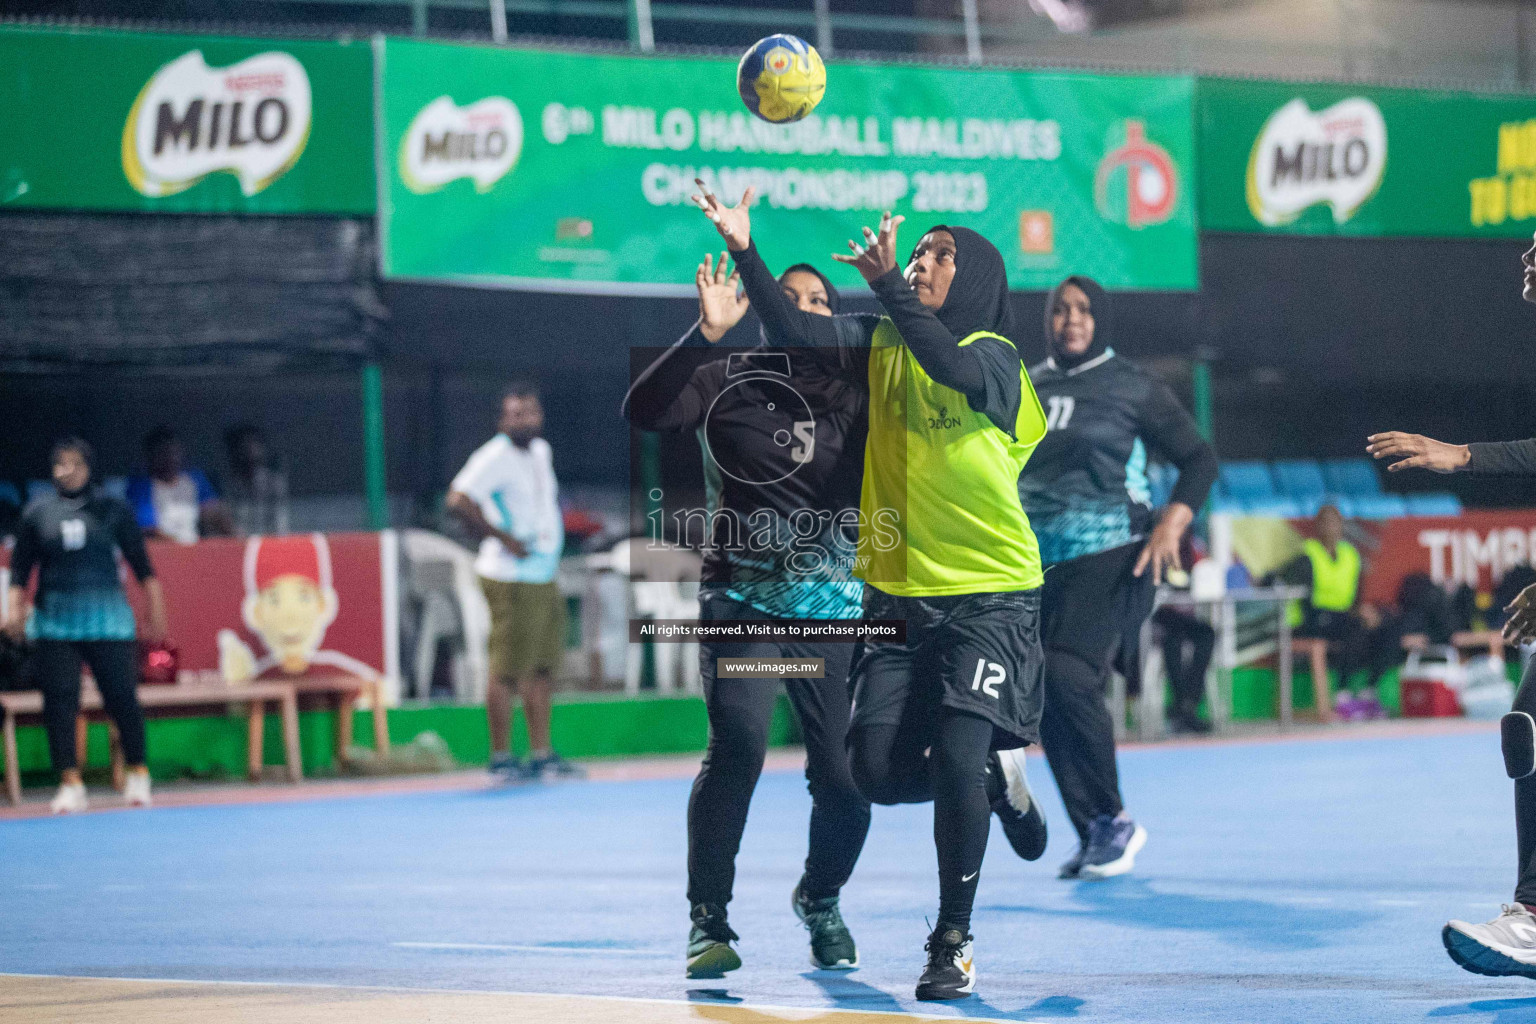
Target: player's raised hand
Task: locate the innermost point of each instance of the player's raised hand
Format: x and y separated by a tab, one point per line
733	222
1415	451
721	301
1521	624
877	255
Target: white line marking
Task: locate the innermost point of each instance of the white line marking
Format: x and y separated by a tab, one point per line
806	1010
558	950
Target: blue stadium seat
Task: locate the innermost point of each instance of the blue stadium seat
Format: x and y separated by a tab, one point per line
1275	506
1246	481
1352	476
1300	478
37	490
1379	506
1161	478
115	486
1434	504
9	494
1224	505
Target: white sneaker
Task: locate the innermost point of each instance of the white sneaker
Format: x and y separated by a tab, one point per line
1504	946
70	799
136	789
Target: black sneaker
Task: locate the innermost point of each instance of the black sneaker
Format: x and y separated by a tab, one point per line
1020	814
1186	721
951	971
709	943
1113	843
832	947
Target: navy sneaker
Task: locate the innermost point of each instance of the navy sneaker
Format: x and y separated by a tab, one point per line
1073	865
553	766
710	953
1016	808
508	767
1112	846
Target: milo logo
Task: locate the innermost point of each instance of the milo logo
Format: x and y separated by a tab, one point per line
445	141
250	119
1300	159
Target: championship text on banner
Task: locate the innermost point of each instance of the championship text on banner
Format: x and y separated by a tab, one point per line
823	631
536	169
192	124
1353	160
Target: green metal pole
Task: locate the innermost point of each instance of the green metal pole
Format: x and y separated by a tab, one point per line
650	475
373	447
1202	388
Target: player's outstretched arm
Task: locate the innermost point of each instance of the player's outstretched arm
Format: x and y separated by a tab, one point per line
1415	451
669	395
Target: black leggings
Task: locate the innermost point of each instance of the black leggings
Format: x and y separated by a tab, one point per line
910	763
115	667
740	711
1525	799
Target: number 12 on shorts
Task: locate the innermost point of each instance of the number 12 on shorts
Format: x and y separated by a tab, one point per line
994	674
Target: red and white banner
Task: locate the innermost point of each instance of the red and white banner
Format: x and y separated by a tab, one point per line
274	607
1475	548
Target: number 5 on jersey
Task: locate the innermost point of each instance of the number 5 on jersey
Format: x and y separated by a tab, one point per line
995	674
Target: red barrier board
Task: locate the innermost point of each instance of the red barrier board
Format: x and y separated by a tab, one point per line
1475	548
270	607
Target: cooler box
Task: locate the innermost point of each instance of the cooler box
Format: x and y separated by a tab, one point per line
1431	680
1428	698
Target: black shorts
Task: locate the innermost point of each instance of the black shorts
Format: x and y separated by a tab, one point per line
977	653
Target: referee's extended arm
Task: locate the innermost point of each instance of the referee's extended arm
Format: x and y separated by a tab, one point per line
1488	458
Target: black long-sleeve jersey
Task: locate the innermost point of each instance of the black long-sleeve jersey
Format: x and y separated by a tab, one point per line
73	542
1086	487
1503	458
783	442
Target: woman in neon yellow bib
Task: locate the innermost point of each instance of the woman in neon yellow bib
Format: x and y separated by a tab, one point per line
944	545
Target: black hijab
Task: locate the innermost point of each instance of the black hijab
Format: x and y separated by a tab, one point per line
833	299
978	296
1103	321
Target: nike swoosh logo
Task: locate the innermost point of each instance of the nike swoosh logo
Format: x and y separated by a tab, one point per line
965	965
967	878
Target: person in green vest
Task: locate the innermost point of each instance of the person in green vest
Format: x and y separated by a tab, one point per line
944	546
1329	566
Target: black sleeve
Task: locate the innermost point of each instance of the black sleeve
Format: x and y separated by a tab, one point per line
664	396
130	541
844	338
986	371
1503	458
1171	429
26	553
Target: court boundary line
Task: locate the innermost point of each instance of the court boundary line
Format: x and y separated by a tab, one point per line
406	990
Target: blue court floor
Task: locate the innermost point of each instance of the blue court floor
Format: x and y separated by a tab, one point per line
1300	881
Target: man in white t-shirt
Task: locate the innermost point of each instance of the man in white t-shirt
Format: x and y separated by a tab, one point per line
507	496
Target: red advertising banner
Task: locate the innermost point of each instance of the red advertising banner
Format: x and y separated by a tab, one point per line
270	607
1475	548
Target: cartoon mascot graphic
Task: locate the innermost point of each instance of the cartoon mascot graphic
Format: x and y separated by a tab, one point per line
289	603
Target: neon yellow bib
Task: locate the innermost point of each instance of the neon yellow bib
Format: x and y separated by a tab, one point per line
940	511
1333	579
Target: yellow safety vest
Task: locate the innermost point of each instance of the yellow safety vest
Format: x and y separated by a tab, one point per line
939	507
1334	580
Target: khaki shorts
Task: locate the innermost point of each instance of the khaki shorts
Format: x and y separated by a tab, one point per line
527	627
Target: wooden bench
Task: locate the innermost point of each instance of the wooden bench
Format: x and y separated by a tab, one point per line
343	693
30	702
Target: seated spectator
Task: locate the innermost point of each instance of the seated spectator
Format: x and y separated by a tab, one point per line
1188	645
256	489
173	500
1329	567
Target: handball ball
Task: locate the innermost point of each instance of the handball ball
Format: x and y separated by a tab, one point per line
781	78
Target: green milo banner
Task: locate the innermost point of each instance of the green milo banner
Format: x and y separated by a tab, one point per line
1355	160
150	123
536	169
